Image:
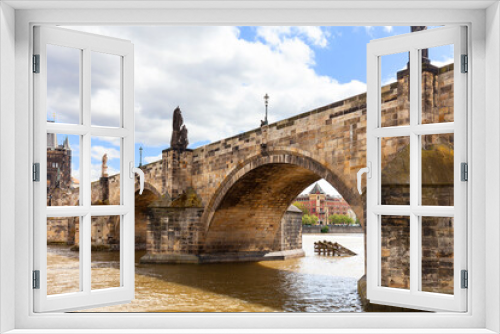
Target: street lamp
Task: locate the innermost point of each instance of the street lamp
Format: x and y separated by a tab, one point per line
266	100
140	153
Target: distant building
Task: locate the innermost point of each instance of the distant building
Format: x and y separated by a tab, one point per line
58	163
323	205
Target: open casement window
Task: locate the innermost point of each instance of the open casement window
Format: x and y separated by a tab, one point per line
416	198
83	108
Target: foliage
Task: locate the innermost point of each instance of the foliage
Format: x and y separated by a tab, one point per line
309	220
301	207
325	229
358	222
340	220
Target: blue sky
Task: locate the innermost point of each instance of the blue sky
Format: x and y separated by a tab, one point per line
219	75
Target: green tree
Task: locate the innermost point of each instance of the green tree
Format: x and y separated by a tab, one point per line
340	220
306	220
314	219
301	207
309	220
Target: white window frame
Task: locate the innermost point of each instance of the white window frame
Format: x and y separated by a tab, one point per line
87	44
484	50
412	44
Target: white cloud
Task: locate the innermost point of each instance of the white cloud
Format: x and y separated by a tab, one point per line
296	51
219	79
153	158
106	107
96	171
275	35
315	35
75	171
369	30
389	80
443	62
63	84
98	151
388	28
114	141
105	89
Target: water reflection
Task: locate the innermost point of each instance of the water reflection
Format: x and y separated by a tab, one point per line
310	284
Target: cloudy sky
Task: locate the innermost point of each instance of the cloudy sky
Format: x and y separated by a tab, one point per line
218	77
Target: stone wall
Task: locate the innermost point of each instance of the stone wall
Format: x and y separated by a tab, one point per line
437	253
178	165
395	256
105	232
174	234
172	231
63	197
154	175
289	235
62	230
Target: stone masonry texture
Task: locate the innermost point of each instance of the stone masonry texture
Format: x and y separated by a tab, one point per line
243	185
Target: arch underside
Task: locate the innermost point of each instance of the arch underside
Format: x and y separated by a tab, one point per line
249	214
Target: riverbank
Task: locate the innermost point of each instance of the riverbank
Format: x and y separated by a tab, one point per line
332	229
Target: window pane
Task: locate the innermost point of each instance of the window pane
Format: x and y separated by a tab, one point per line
63	256
395	152
437	170
395	80
63	84
105	256
395	252
63	170
106	89
437	254
105	170
437	84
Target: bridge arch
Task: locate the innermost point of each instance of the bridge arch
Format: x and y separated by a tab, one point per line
245	211
147	187
142	202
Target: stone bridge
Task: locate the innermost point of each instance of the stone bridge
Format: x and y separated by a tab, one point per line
228	200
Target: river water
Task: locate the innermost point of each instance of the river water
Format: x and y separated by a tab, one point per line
310	284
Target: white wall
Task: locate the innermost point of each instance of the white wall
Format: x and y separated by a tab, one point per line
482	105
7	92
492	163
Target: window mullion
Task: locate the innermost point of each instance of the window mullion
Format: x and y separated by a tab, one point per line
85	253
86	196
414	171
86	140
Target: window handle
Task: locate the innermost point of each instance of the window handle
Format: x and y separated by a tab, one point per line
135	170
368	171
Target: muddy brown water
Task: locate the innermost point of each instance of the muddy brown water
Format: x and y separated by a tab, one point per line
310	284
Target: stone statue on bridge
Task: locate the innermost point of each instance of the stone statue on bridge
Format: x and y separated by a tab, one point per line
104	167
179	140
